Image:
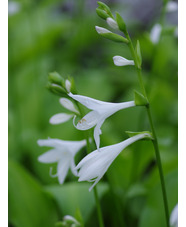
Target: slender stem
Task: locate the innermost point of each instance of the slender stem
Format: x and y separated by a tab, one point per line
98	206
155	141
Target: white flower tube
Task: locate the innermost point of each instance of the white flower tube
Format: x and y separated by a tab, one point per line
63	153
121	61
100	111
174	217
94	165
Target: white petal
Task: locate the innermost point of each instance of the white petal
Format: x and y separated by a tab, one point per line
60	118
97	132
112	23
174	217
68	105
70	218
171	6
62	169
155	33
88	121
67	85
120	61
101	30
50	156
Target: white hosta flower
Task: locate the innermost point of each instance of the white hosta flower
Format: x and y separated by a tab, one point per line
101	30
155	33
63	153
174	217
121	61
112	23
94	165
171	7
63	117
100	111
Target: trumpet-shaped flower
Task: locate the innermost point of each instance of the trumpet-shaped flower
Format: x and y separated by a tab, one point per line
63	153
121	61
94	165
63	117
174	217
100	111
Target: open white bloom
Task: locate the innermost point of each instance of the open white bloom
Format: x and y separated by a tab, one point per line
101	30
121	61
63	153
112	23
100	111
63	117
174	217
94	165
171	7
155	33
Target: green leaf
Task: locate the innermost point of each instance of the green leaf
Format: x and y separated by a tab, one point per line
29	205
75	195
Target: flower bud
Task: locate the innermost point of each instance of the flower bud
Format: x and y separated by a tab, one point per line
105	8
112	23
55	78
138	54
101	13
110	35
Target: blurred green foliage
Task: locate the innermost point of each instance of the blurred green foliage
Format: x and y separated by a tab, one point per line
44	37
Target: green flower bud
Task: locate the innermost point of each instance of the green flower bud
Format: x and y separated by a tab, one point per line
110	35
101	13
56	89
104	7
55	78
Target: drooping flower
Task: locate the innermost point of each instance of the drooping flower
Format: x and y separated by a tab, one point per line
174	217
63	153
155	33
112	23
100	111
94	165
121	61
63	117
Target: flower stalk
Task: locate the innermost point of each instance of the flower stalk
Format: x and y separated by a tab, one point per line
154	141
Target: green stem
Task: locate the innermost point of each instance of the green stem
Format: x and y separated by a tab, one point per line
155	141
98	206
